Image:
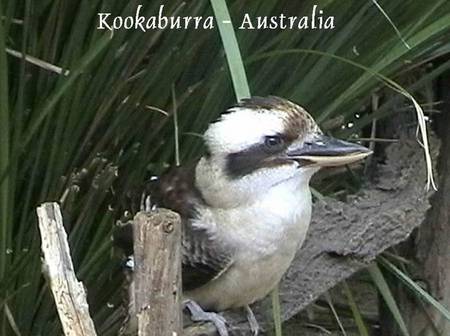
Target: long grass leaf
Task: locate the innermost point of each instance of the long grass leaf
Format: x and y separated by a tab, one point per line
383	288
276	311
355	310
231	47
415	288
397	31
4	153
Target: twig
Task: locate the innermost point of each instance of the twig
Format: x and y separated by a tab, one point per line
12	20
38	62
69	293
153	108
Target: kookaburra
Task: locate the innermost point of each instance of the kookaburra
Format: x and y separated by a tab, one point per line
246	204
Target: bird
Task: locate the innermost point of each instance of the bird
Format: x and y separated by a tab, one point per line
246	203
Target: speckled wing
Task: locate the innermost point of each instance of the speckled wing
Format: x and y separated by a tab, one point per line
203	258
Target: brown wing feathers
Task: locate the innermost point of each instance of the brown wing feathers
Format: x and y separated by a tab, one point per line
202	259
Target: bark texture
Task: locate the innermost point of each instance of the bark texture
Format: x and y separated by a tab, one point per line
434	235
157	276
68	292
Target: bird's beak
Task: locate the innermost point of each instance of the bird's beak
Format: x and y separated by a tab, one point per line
325	151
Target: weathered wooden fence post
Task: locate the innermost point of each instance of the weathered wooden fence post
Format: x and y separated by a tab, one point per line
157	276
69	293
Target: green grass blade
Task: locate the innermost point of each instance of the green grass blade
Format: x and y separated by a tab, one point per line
4	152
383	288
397	31
232	50
355	310
276	311
415	288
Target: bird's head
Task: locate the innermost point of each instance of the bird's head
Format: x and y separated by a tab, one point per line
262	142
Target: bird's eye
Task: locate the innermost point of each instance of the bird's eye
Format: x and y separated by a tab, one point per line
273	142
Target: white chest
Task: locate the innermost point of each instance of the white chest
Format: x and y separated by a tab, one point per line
265	236
275	224
270	242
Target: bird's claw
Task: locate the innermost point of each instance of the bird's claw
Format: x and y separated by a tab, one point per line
146	203
252	321
199	315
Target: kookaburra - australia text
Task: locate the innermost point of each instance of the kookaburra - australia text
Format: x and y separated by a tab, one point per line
246	204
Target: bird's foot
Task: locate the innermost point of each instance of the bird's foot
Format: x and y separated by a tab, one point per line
254	326
199	315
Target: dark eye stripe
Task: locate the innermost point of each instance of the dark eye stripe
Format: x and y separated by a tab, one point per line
251	159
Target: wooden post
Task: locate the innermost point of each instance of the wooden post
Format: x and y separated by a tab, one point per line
157	277
69	293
